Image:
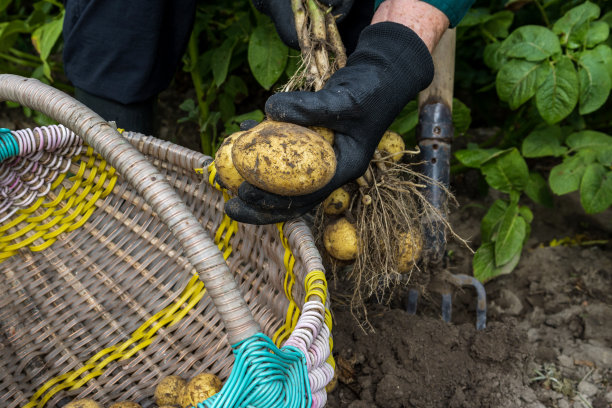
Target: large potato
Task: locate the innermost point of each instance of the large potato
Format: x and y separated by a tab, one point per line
284	158
226	171
169	390
201	387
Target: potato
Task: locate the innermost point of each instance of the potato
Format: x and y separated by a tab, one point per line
331	386
392	144
341	241
169	390
125	404
83	403
201	387
410	247
284	158
324	132
226	171
337	202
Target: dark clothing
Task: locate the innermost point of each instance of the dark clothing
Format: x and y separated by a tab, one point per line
125	50
358	18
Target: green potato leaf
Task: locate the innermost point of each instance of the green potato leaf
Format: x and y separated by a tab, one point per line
511	235
596	189
506	172
574	24
267	55
532	43
543	142
517	81
558	94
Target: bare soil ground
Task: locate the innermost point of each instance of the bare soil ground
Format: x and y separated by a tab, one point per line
547	343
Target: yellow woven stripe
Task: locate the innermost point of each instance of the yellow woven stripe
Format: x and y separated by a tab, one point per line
316	284
293	311
228	226
139	339
145	334
67	212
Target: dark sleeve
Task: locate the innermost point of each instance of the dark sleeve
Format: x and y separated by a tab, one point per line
455	10
127	51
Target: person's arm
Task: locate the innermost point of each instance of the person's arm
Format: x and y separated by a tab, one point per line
427	21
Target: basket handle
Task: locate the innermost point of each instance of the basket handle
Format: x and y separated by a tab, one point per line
153	187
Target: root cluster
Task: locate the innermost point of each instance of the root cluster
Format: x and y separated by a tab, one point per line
391	216
387	202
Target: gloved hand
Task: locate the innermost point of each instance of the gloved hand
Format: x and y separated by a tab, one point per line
282	16
390	65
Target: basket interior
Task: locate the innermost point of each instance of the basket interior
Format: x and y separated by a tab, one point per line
113	306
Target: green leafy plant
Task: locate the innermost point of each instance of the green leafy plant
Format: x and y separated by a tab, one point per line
233	53
29	34
30	37
556	76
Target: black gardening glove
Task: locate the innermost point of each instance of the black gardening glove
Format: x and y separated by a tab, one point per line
282	16
390	65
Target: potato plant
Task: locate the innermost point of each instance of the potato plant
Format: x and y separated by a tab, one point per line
557	77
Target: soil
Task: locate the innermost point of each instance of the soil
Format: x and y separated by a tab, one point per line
548	337
548	340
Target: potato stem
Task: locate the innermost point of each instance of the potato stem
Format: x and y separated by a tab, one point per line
335	41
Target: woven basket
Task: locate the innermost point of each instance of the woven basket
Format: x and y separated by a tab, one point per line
119	267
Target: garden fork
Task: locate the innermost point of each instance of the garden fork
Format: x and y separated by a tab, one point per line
434	136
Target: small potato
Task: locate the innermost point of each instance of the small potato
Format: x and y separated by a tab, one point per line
169	390
324	132
337	202
83	403
284	158
341	241
392	144
226	171
201	387
331	386
125	404
410	247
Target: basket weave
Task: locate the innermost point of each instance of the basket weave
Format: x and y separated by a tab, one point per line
99	295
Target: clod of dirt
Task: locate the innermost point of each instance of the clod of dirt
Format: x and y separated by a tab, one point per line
415	361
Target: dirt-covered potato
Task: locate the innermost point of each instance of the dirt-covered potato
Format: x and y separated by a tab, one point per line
392	144
333	383
169	390
337	202
83	403
226	171
324	132
341	241
125	404
410	247
201	387
284	158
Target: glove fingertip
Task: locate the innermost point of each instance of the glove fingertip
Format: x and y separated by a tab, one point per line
248	124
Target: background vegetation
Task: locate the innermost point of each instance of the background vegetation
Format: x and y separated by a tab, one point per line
537	73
